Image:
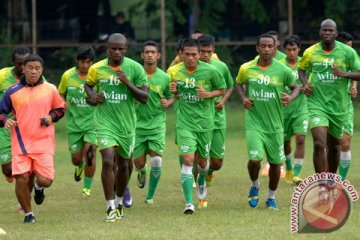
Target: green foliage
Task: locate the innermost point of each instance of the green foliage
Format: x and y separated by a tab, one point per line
65	57
5	53
255	10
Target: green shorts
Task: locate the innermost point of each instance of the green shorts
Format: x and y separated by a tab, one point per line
348	126
76	140
217	149
191	142
333	122
259	143
124	145
298	125
153	142
5	146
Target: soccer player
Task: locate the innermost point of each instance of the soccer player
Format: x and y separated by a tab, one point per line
119	82
35	105
178	49
151	121
265	80
80	118
295	115
217	150
8	77
328	63
278	54
345	152
197	84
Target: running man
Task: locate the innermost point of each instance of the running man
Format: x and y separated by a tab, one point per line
295	116
197	84
35	105
328	63
151	121
119	82
80	118
345	151
8	77
217	150
265	80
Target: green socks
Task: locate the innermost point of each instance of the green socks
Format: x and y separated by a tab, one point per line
187	180
288	163
87	182
155	174
297	166
345	161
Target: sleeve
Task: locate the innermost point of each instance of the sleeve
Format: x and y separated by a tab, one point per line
167	92
62	86
58	108
241	77
140	77
218	80
228	78
91	78
354	61
5	108
304	62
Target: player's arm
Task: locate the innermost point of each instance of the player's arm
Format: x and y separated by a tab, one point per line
344	74
306	89
5	109
202	93
167	102
353	88
247	102
66	104
93	98
287	99
139	93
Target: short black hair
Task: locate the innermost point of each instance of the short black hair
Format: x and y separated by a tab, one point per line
178	45
189	42
151	43
34	58
274	33
20	51
265	35
120	14
294	39
344	37
84	53
206	40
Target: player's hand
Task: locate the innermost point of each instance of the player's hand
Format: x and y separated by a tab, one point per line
337	71
285	98
307	90
219	105
202	93
66	105
164	102
46	121
248	103
353	91
10	123
173	87
122	77
100	98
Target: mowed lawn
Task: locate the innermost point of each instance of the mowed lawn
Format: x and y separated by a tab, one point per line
66	214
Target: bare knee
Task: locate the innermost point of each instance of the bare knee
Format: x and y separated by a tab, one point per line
216	163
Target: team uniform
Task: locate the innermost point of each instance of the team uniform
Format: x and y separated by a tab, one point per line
348	126
280	55
195	116
115	119
7	78
151	126
329	102
264	122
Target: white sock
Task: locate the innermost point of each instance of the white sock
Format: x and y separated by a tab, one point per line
186	169
118	200
29	213
298	161
110	204
37	187
271	194
255	183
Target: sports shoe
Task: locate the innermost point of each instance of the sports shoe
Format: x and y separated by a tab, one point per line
19	209
209	178
194	184
289	176
111	215
78	172
201	191
141	180
282	172
265	171
149	201
271	204
39	196
86	192
253	197
120	212
189	208
127	198
30	219
296	180
203	203
9	179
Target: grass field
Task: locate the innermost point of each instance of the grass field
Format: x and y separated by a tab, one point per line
66	214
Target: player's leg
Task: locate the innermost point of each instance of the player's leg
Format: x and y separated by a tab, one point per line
288	161
6	170
76	146
298	157
89	154
334	136
140	151
345	156
217	153
5	154
23	195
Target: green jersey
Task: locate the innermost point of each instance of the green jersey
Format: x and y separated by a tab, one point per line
264	87
151	116
220	115
299	105
279	55
330	93
79	115
194	113
117	113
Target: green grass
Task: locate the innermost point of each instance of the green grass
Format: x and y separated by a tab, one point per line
66	214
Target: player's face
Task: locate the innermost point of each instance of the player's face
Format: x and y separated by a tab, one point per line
191	57
206	52
84	65
150	55
277	41
266	48
19	62
328	33
349	43
116	51
32	71
292	51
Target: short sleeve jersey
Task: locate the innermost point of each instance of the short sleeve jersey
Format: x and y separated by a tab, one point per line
193	113
220	115
280	55
299	105
79	115
330	93
117	113
264	87
151	116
